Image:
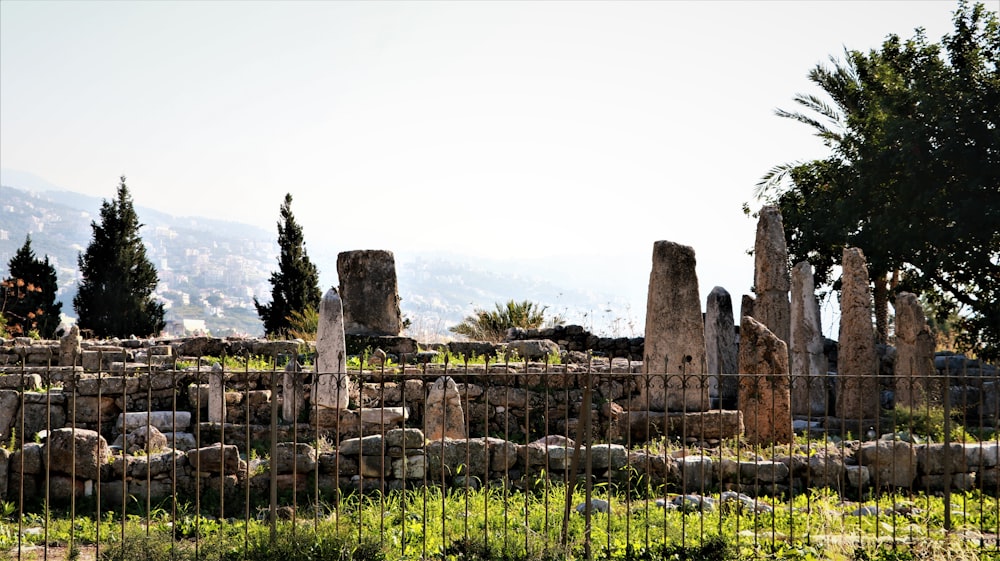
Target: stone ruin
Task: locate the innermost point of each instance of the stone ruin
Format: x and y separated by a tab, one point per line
174	420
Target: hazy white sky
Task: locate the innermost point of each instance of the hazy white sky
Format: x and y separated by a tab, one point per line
516	130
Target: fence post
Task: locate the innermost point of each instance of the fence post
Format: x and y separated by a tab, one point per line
947	450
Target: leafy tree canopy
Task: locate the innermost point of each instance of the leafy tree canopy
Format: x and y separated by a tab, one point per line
913	175
492	325
28	296
295	292
115	297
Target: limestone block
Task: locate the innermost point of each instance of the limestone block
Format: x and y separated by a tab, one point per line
533	349
370	445
696	473
10	407
894	462
27	382
63	487
675	334
608	456
763	471
160	464
164	421
443	417
83	450
334	463
407	439
914	367
5	456
410	467
370	291
90	409
771	279
826	470
931	458
213	458
182	441
146	439
28	459
294	457
857	476
332	390
720	346
858	394
765	399
808	363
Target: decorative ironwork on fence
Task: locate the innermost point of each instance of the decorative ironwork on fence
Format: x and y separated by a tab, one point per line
438	458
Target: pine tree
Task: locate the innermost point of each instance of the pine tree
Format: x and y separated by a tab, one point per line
295	286
115	296
28	295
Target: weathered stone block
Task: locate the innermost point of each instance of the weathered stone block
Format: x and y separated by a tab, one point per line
84	451
894	462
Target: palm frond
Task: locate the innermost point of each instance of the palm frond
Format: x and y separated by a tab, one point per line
772	180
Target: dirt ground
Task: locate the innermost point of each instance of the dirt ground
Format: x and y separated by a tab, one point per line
53	553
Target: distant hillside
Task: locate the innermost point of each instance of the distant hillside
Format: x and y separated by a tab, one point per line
211	270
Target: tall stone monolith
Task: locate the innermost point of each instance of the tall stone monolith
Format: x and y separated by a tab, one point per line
915	344
765	400
857	364
217	394
370	293
675	334
69	347
293	403
770	278
720	345
443	415
809	364
331	355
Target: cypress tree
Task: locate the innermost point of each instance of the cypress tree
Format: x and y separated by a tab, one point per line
28	295
115	297
295	285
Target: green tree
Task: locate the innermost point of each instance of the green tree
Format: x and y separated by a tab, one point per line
28	295
295	285
115	296
492	325
913	175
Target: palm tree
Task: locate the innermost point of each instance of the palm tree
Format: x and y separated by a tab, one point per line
492	326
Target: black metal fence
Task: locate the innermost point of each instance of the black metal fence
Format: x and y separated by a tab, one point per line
511	460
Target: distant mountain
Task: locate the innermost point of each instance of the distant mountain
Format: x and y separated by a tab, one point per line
210	270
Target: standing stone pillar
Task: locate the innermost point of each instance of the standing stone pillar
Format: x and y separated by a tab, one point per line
765	400
293	403
370	293
857	363
809	364
771	282
217	394
675	334
443	414
914	352
69	347
746	305
331	355
720	346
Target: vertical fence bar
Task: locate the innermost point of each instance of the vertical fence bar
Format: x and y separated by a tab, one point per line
272	475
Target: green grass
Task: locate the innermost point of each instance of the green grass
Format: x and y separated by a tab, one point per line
495	524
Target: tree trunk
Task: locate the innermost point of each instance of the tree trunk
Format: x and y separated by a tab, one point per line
881	296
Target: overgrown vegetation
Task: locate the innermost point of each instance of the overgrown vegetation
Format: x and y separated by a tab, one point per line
115	297
498	524
295	285
28	304
913	175
492	325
